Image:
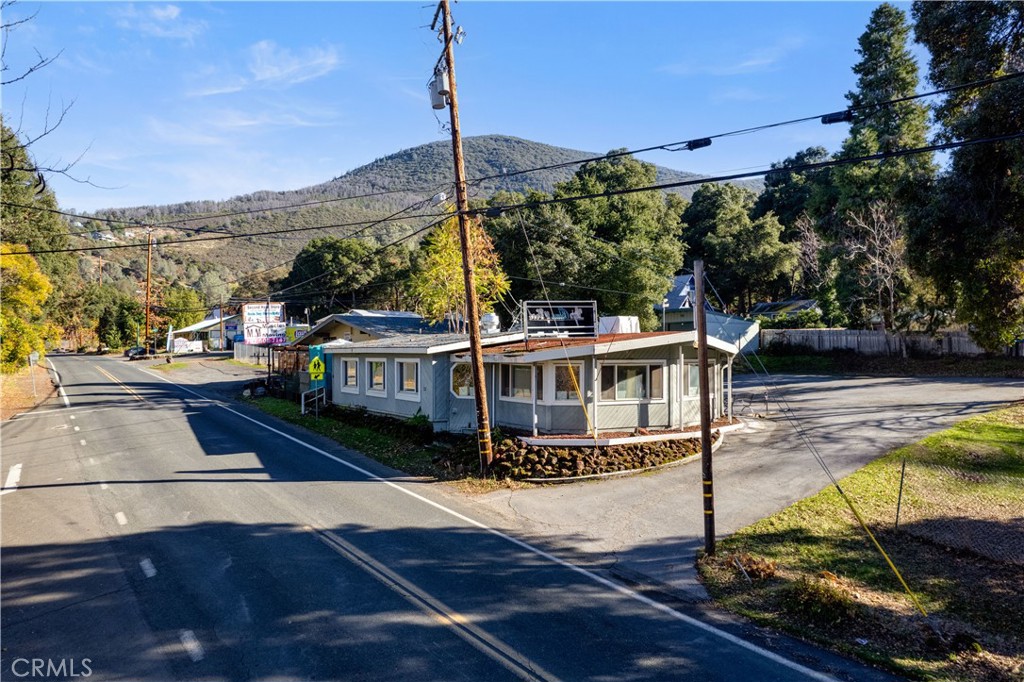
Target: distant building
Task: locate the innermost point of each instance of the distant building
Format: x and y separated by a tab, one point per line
790	307
366	325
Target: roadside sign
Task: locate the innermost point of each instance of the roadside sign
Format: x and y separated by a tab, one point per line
33	358
316	369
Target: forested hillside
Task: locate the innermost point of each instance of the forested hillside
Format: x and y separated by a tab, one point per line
409	178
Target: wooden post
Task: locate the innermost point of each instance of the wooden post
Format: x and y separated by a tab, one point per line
483	426
149	272
705	410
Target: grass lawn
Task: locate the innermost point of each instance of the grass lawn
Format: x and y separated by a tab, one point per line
454	462
811	570
167	366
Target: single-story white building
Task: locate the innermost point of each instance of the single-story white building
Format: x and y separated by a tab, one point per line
613	382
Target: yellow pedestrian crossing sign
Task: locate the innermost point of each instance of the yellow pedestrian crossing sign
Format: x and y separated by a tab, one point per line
316	369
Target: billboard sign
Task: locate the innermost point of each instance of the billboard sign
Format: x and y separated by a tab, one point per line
263	323
560	318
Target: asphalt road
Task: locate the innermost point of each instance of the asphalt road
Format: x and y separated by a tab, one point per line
153	533
649	527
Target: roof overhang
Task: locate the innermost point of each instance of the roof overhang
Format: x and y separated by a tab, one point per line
602	348
383	347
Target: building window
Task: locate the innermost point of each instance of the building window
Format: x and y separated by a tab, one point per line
692	381
376	373
408	378
462	380
632	382
350	374
515	382
568	379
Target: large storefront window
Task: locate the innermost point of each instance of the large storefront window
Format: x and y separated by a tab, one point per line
515	381
632	382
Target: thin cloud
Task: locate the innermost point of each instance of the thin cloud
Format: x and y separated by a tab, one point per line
158	21
178	134
234	119
725	95
754	61
273	67
272	64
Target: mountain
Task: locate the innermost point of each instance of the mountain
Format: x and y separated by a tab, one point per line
380	188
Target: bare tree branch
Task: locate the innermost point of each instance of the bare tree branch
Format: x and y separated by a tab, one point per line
875	241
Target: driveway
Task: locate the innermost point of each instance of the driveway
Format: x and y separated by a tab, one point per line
648	527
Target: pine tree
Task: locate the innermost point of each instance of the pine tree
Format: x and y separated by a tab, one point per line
972	238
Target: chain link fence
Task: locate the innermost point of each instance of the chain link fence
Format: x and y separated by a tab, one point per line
963	509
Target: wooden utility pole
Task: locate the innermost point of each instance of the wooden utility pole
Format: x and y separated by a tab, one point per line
483	422
220	314
705	410
149	272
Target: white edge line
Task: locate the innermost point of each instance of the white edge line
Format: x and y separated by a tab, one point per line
710	629
60	387
13	476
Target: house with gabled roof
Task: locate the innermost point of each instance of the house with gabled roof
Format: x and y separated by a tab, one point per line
365	325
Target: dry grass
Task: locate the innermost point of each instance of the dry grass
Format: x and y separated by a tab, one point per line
16	395
832	586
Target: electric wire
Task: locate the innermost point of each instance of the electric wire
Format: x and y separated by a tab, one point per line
679	146
786	409
561	341
831	163
475	181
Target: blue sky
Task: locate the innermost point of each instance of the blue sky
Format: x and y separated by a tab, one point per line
208	100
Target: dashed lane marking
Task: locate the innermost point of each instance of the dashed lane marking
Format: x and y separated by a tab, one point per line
579	570
13	476
148	569
192	646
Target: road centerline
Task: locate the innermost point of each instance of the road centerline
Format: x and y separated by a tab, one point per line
590	575
466	629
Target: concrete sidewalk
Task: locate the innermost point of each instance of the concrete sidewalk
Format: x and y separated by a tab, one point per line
647	528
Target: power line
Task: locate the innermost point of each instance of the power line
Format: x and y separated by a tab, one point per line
492	211
365	224
317	202
699	142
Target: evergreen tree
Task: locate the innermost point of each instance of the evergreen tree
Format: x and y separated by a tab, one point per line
886	71
634	238
745	256
971	240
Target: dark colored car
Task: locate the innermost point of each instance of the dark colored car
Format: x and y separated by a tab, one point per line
135	352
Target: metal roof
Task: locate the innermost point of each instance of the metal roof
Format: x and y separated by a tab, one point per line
680	296
202	325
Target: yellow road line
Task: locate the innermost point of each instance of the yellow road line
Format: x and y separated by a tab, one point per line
462	626
127	388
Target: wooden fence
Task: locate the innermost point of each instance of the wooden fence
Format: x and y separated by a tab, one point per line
872	342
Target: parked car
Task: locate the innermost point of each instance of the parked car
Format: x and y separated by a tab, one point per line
135	352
